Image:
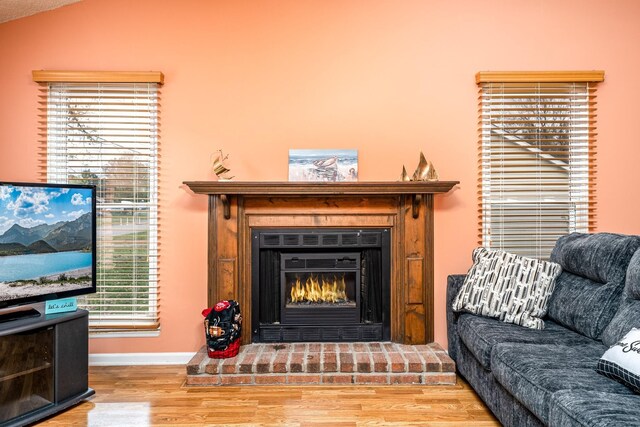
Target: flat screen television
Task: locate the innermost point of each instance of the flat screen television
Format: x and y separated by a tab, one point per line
47	243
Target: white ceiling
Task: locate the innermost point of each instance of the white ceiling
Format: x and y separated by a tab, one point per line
14	9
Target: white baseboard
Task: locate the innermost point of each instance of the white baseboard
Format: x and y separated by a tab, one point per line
123	359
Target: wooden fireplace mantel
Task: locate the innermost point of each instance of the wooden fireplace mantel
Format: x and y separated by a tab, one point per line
287	188
406	208
279	188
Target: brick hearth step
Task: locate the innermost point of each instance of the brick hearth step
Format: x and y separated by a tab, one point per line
325	363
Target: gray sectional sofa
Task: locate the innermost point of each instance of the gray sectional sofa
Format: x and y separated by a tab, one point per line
530	377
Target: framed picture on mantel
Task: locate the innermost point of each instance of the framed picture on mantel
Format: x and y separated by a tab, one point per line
323	165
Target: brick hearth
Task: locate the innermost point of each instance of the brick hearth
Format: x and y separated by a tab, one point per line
325	363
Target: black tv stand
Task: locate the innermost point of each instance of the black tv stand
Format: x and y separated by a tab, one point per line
43	366
10	315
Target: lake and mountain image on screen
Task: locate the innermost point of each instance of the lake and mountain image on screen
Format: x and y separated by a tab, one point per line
46	240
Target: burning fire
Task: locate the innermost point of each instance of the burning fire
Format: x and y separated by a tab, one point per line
322	290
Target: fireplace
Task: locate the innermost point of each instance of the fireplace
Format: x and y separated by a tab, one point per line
320	285
238	209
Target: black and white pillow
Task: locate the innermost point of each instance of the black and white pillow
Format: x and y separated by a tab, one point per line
622	361
512	288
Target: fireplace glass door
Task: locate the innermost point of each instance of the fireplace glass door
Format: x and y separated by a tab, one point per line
320	288
320	285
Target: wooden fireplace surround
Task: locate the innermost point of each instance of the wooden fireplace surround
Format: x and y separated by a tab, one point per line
236	207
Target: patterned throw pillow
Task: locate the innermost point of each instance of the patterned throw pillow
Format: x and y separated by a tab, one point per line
622	361
508	287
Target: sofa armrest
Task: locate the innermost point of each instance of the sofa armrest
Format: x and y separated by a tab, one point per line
454	283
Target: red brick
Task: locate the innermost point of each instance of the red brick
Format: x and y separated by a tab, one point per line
414	362
246	365
281	361
236	379
448	378
370	379
397	362
431	361
286	347
435	346
229	366
296	362
313	362
389	346
263	364
195	364
380	362
268	349
405	378
344	347
360	347
447	363
270	379
251	348
299	347
346	362
375	346
363	362
421	348
314	347
202	380
329	362
213	367
449	366
303	379
337	379
329	347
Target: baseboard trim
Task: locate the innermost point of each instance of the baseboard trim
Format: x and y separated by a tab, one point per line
124	359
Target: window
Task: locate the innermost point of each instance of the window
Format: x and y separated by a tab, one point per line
536	154
101	128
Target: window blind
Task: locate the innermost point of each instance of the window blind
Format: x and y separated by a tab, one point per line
106	134
536	163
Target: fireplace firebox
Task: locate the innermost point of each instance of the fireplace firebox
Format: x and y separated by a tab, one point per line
321	288
320	285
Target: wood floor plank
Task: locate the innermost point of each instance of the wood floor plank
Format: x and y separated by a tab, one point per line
156	396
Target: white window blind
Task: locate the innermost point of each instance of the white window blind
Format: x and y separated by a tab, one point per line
536	145
106	134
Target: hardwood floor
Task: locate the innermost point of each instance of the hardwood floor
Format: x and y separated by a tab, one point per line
156	396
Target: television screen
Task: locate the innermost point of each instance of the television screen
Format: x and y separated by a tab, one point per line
47	241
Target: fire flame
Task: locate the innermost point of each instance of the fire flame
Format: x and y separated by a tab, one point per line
322	290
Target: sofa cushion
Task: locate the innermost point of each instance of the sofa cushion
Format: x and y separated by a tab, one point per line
587	292
549	356
481	334
508	287
598	303
533	384
601	257
593	408
628	314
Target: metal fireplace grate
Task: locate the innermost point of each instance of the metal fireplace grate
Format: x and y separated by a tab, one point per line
319	239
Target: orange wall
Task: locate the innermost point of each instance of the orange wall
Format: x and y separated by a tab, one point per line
389	78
